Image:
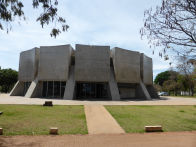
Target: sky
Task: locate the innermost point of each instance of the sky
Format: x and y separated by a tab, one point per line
92	22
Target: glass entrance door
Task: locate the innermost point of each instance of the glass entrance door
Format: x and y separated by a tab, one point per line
91	90
53	89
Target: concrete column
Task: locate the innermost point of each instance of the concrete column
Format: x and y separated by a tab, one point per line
18	89
31	89
70	86
145	91
113	86
35	89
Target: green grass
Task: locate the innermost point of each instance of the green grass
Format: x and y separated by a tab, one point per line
172	118
36	120
179	96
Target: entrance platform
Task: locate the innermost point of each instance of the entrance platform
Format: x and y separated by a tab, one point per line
6	99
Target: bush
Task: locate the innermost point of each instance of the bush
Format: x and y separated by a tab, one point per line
8	77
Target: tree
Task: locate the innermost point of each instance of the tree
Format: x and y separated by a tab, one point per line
11	9
187	69
171	85
184	85
8	78
161	77
173	75
157	87
172	27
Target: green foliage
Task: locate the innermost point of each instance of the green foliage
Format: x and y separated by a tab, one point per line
10	9
8	78
183	82
157	87
171	85
161	77
172	81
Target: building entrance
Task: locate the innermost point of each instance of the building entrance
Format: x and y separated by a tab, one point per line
92	91
53	89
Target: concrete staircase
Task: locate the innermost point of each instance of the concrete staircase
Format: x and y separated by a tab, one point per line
152	91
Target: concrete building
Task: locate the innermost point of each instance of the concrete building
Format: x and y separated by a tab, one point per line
88	72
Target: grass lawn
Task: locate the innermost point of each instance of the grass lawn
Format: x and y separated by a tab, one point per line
172	118
34	119
179	96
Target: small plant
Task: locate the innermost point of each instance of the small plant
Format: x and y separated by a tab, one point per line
181	111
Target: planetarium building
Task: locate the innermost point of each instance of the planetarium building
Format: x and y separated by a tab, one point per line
86	72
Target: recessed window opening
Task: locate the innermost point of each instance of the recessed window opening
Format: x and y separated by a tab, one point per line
53	89
26	87
92	90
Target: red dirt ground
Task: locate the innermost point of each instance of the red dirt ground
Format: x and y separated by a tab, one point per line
166	139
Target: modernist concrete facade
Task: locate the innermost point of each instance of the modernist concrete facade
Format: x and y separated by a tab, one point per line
88	72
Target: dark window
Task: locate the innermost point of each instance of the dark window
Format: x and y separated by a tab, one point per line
53	89
92	90
50	89
57	89
72	60
26	87
44	90
62	84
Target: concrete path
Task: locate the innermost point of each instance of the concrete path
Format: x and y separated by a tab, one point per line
6	99
99	121
165	139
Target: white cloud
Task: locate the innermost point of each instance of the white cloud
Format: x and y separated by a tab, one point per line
111	22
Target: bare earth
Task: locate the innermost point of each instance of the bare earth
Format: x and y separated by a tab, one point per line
6	99
168	139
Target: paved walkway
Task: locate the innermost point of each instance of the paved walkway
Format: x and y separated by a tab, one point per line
100	121
166	139
6	99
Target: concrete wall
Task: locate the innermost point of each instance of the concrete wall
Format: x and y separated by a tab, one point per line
18	89
114	92
146	70
127	92
92	63
126	65
54	62
28	65
89	64
70	86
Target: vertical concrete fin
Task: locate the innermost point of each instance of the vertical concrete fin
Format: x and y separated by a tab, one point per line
152	91
113	86
18	89
70	85
32	88
145	91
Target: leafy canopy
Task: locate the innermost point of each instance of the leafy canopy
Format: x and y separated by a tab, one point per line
8	78
11	9
162	77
